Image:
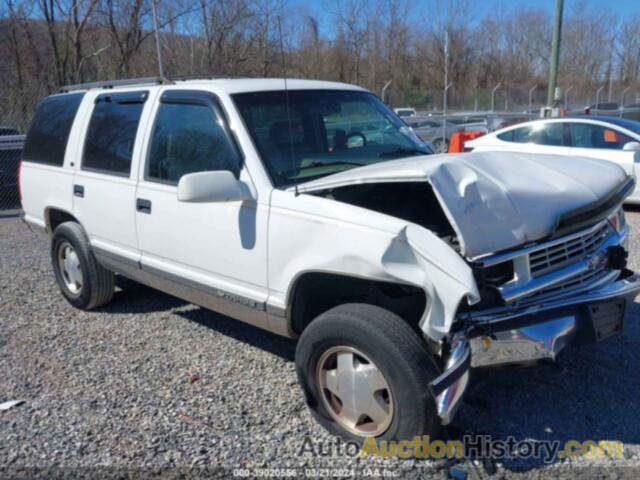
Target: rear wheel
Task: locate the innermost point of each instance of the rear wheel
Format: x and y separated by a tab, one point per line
365	373
441	145
82	280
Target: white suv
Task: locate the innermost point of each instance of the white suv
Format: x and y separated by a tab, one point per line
315	212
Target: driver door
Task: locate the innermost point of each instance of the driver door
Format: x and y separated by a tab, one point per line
215	250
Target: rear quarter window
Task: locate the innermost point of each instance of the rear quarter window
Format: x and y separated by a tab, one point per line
47	137
506	136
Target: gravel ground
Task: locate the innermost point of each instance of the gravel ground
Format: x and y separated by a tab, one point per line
150	385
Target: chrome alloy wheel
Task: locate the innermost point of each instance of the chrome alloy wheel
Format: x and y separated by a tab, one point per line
69	265
354	391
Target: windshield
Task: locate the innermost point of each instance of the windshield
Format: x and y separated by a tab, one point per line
331	131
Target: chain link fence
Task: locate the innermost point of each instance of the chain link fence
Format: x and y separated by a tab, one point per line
16	110
10	154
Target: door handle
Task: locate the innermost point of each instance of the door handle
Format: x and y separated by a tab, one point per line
78	190
143	206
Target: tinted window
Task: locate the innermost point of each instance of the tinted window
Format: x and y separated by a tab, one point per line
112	133
584	135
47	138
506	136
189	138
551	134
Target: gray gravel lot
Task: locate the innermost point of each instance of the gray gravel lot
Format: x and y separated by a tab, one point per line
114	392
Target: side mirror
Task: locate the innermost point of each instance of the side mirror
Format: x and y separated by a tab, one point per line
631	147
217	186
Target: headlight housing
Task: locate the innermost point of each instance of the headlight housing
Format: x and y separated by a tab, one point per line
617	220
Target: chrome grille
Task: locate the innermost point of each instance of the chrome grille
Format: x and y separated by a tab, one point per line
573	284
555	257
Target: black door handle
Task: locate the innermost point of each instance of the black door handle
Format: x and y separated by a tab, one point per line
78	190
143	206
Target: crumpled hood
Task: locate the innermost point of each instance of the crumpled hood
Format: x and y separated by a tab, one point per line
495	200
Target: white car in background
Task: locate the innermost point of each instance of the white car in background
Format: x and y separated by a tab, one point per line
404	112
607	138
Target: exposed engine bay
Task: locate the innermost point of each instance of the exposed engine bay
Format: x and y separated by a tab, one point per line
412	201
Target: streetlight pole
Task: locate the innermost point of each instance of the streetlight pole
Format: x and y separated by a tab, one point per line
598	98
493	96
566	96
384	89
531	90
622	100
555	53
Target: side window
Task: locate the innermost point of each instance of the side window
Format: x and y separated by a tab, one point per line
506	136
523	135
585	135
552	134
189	138
47	137
112	133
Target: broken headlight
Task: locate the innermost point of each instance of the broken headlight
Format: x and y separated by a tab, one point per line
617	220
489	278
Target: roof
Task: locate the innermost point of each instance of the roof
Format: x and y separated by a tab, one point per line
627	124
228	84
621	122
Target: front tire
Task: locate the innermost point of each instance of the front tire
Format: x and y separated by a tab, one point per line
82	280
365	373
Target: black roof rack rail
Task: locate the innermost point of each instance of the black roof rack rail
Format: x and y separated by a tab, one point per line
124	82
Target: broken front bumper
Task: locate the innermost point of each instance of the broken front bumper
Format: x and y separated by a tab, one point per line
511	335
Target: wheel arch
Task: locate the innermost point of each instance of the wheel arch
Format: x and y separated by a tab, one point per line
314	292
54	216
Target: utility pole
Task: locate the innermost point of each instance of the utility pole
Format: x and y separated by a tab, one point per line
555	53
446	88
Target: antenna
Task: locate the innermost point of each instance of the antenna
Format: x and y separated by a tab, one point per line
286	99
155	28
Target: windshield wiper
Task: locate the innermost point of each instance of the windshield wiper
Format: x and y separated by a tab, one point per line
404	151
318	163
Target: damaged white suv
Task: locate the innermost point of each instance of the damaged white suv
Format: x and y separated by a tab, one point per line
314	212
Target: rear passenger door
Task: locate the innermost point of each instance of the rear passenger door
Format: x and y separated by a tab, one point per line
598	141
215	249
104	184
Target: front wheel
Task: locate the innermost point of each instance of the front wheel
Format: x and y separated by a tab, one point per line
365	373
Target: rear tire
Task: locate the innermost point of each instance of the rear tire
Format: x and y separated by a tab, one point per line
82	280
386	369
440	145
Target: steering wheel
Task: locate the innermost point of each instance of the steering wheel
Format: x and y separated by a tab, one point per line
357	134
